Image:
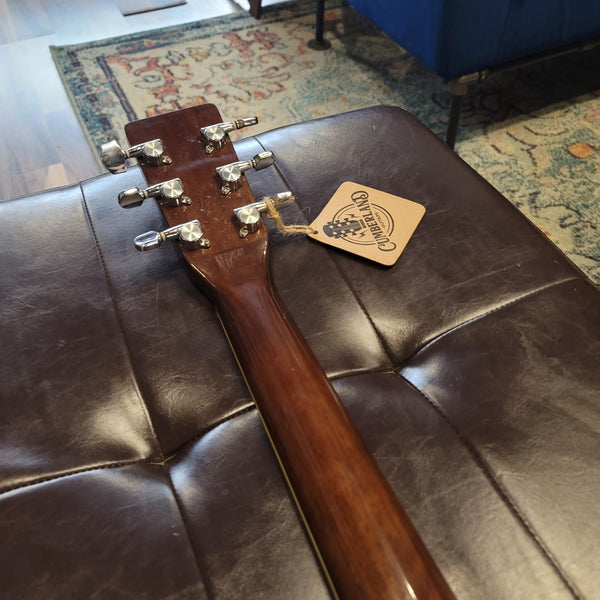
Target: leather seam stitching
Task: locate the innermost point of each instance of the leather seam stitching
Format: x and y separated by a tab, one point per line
500	490
387	350
119	320
483	315
208	585
125	463
207	430
74	472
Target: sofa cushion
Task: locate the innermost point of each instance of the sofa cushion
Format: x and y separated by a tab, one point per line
135	465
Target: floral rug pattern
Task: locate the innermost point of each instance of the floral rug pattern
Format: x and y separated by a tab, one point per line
533	133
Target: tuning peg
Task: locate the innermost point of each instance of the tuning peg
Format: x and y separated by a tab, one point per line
150	153
170	191
231	174
214	137
189	235
248	217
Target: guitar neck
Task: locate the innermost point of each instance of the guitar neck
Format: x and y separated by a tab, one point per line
368	547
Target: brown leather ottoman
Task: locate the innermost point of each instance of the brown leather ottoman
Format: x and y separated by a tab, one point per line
135	466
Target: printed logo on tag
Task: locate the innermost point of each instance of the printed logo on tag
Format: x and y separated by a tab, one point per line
367	222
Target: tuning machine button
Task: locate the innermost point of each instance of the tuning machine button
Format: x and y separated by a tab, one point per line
214	137
249	217
189	235
171	192
230	175
150	153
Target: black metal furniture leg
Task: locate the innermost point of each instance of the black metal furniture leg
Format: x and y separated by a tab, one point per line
453	120
256	8
319	43
459	88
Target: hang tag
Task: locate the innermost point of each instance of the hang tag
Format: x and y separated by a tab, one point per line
367	222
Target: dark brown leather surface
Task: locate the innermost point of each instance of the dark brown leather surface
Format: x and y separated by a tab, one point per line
133	464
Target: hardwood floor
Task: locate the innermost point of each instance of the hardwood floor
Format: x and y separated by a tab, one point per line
42	144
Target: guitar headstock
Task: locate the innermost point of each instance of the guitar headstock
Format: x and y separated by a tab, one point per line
198	181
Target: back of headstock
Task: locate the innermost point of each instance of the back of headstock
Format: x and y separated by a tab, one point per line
198	181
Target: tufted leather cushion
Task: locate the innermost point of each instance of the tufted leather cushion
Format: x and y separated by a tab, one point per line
133	464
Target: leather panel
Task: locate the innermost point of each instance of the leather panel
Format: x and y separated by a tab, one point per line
108	533
69	399
455	505
243	521
535	433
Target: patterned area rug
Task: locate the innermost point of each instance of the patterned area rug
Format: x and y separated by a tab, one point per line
534	133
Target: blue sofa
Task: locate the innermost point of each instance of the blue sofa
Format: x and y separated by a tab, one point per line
463	40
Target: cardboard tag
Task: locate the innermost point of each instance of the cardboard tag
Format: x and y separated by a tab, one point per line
367	222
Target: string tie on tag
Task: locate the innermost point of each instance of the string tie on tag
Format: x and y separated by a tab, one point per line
273	214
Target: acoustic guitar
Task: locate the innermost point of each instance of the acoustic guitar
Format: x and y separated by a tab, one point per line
368	547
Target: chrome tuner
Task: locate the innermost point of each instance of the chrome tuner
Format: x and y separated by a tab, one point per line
189	235
171	192
150	153
214	137
230	175
248	217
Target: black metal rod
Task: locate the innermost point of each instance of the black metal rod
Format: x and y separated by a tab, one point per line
320	25
256	8
455	108
319	43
